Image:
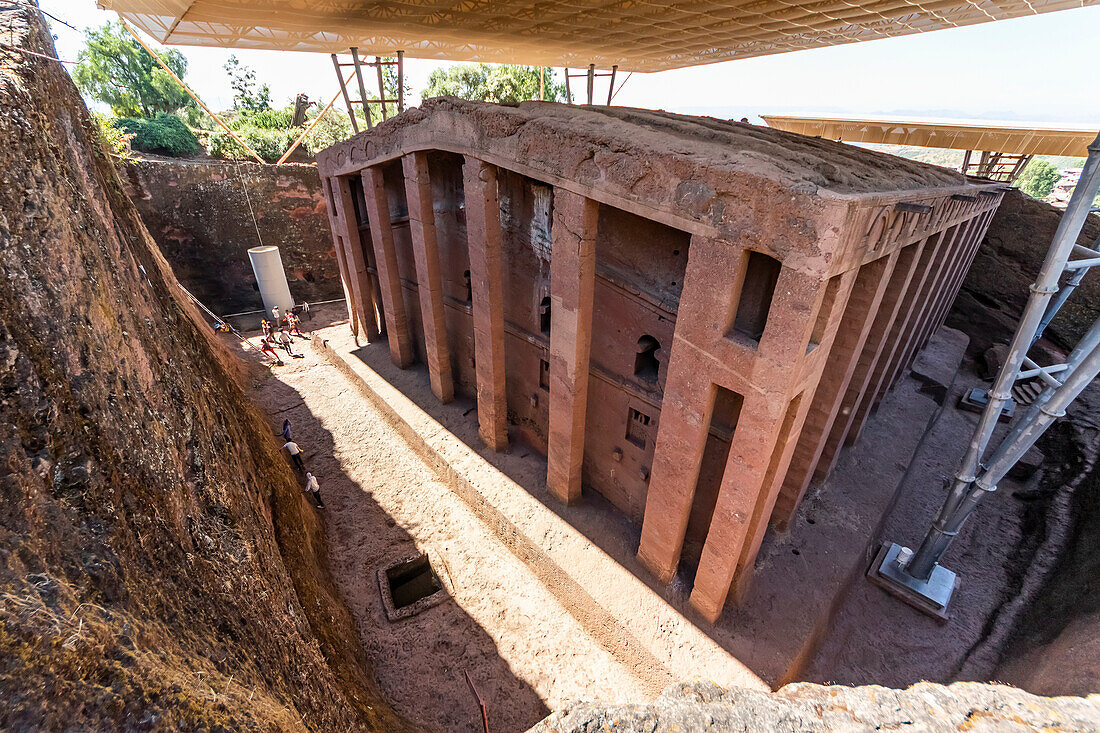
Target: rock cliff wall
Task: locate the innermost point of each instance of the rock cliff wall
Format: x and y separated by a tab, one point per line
201	219
159	568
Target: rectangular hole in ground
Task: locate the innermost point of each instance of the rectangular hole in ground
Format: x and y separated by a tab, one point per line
411	581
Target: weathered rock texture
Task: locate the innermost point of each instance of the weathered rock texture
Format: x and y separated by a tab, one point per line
159	568
199	215
996	288
686	315
703	706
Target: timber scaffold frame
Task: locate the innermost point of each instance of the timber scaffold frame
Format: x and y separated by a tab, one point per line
364	101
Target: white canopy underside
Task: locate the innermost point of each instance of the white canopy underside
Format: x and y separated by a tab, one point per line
637	35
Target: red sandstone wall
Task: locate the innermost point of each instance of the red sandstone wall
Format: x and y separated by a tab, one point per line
198	214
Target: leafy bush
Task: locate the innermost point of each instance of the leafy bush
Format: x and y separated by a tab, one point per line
114	141
265	119
269	144
1038	178
164	134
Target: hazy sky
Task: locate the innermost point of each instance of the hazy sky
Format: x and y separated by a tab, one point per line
1041	68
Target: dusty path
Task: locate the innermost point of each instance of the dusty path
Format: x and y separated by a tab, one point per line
524	651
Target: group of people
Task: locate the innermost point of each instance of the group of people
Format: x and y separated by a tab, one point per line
274	334
312	487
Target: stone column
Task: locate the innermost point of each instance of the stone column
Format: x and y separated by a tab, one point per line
911	306
876	343
385	259
347	230
681	438
486	283
341	262
418	193
572	290
761	446
839	367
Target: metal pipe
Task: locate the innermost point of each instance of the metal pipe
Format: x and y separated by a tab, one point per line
1066	291
1011	450
591	83
611	87
960	502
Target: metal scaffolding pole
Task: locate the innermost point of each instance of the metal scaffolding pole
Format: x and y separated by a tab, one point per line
919	578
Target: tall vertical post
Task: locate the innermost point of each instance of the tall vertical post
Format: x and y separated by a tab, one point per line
344	91
400	81
591	83
487	287
572	291
381	85
362	86
385	260
418	193
568	90
611	87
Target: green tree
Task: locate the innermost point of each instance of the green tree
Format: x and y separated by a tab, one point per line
1038	178
114	69
246	95
499	83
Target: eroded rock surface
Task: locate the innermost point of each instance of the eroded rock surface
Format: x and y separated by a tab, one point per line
702	706
201	218
159	568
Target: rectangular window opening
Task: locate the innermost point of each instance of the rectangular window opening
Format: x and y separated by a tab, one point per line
638	427
822	320
359	201
727	408
755	298
544	374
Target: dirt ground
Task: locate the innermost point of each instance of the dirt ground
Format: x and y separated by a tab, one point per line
524	652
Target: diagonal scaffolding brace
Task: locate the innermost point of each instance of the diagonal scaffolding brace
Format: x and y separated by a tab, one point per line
918	578
364	100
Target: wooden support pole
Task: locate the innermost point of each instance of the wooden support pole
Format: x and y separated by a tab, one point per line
344	91
381	86
400	81
591	83
568	91
611	86
362	86
190	93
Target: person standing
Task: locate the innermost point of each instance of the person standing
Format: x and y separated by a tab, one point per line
314	490
295	454
284	339
265	327
286	430
294	324
276	316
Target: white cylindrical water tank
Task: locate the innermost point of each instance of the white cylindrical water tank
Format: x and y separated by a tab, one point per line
267	265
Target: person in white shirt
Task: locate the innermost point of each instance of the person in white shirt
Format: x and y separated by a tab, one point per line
284	339
314	489
276	316
295	454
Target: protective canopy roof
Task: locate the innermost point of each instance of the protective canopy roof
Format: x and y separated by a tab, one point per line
638	35
1000	137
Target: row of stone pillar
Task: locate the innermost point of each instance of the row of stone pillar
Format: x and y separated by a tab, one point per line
572	287
869	322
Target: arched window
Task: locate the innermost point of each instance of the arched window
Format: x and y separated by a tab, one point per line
646	366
